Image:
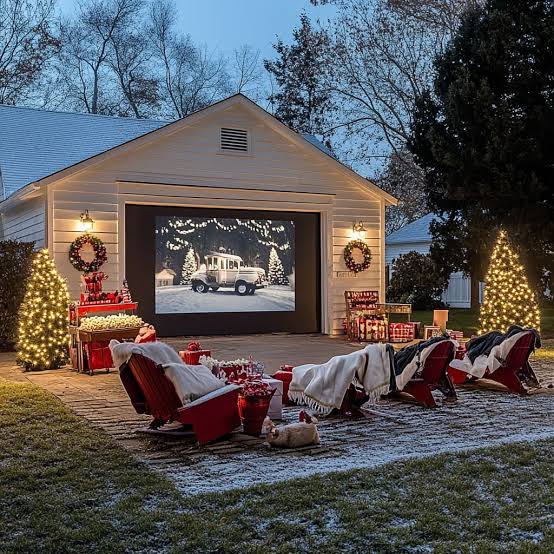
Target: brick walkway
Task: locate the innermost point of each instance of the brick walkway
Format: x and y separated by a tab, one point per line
482	416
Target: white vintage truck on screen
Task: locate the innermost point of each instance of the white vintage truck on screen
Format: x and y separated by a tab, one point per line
227	270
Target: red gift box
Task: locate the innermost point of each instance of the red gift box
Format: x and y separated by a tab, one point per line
192	357
98	355
401	332
284	375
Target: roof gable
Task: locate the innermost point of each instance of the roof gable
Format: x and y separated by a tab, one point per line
44	146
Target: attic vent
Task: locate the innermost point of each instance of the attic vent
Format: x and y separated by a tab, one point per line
235	140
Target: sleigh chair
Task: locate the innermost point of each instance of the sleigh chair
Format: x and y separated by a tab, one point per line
515	373
433	376
151	392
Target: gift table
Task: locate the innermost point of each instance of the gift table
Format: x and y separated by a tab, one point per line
89	350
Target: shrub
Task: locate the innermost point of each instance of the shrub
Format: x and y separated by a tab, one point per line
15	267
416	280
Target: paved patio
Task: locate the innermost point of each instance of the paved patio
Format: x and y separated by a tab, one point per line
482	416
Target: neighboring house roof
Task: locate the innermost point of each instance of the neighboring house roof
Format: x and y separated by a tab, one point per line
36	144
416	231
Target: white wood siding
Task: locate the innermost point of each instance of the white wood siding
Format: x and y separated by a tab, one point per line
188	169
25	222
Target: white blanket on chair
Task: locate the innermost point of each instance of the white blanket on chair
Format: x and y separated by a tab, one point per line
323	386
418	362
493	361
190	381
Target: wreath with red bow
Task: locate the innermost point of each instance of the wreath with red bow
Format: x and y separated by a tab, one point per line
351	264
100	256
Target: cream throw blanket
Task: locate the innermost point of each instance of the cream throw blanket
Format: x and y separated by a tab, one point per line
323	386
190	381
493	361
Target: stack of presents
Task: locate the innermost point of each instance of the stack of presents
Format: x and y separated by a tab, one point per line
368	321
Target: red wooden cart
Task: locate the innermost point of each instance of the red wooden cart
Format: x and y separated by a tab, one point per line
152	393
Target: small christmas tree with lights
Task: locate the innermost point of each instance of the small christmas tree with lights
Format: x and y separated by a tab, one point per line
508	299
43	317
276	273
189	267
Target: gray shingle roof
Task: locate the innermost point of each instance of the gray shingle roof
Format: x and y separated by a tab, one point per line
417	231
36	143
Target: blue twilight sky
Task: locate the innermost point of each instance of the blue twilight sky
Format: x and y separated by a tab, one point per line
227	24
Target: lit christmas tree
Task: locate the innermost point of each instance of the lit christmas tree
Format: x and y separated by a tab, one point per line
43	317
276	274
189	267
508	299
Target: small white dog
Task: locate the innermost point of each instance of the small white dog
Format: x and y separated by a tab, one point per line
293	435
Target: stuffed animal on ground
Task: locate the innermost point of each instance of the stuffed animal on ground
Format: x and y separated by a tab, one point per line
293	435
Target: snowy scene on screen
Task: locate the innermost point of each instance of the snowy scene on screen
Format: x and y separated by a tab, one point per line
224	265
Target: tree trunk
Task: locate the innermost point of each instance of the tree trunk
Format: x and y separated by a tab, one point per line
474	292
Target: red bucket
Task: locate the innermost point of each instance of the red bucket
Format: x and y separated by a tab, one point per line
252	411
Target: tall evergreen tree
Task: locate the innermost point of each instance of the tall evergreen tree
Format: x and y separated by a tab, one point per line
484	138
276	273
302	101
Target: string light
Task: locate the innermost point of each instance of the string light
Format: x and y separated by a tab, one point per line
43	317
508	299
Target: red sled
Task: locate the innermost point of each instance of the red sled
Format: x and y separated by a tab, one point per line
515	373
152	393
434	376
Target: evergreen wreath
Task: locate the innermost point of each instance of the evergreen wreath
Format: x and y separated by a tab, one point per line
100	256
349	259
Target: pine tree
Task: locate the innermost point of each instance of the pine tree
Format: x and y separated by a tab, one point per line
276	273
189	267
303	101
43	317
508	298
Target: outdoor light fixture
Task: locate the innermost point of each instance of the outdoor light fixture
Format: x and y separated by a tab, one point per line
87	223
358	231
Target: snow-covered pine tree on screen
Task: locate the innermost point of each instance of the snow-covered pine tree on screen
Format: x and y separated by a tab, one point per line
189	267
276	273
508	298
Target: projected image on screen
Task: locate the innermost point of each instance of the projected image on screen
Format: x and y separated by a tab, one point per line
224	265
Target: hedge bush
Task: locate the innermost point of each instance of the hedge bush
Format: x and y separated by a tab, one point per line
416	280
15	268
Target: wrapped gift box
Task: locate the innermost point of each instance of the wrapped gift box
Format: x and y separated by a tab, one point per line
371	328
191	357
401	332
98	355
284	375
456	335
276	406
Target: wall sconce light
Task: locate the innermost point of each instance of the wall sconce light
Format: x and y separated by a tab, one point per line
87	223
358	231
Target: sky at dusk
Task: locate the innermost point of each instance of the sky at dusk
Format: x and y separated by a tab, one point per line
227	24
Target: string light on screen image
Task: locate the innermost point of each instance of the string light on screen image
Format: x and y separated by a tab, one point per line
508	299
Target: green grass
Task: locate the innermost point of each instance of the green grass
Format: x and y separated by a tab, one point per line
466	320
67	487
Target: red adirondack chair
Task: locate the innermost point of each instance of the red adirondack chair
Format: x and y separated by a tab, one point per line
151	392
433	376
515	373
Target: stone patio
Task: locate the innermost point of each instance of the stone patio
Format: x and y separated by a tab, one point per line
483	415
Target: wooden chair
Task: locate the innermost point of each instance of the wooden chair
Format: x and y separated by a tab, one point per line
433	376
151	392
515	373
